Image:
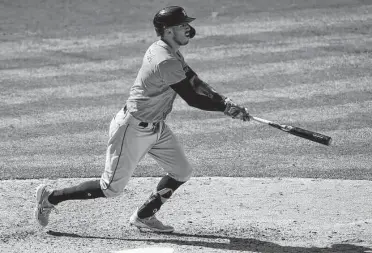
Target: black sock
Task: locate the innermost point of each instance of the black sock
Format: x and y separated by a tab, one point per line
164	191
86	190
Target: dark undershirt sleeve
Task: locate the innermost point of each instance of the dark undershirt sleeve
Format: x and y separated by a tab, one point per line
187	93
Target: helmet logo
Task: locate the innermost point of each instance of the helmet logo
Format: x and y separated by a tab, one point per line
184	13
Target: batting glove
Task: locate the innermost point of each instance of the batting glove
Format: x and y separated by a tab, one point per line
236	111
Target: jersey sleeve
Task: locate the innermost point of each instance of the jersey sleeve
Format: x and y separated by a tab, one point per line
171	71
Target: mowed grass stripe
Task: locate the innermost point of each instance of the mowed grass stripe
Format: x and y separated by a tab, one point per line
120	85
275	40
351	35
278	50
272	141
8	86
253	23
58	104
70	69
231	73
204	54
293	91
83	91
285	24
310	33
278	80
251	82
296	116
297	66
130	62
213	131
255	166
282	153
212	134
107	64
82	85
84	114
250	141
296	92
273	80
324	118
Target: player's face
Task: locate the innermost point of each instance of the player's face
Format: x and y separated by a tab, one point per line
181	34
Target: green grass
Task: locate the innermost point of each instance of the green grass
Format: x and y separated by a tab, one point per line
66	69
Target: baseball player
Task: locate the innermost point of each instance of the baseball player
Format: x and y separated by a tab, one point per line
139	127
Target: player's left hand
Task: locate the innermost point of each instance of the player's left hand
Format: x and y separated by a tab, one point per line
236	111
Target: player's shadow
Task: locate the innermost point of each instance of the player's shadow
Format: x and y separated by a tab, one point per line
232	243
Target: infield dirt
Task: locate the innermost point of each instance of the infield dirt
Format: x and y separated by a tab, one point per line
209	214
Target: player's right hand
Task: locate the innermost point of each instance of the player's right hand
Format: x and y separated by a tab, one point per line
236	111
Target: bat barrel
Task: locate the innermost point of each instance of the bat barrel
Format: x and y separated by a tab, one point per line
310	135
303	133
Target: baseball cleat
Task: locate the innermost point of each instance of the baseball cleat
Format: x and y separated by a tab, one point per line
151	223
43	208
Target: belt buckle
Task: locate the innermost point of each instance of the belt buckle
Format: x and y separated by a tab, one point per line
155	125
143	124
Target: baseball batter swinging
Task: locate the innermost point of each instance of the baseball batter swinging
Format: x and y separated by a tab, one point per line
139	127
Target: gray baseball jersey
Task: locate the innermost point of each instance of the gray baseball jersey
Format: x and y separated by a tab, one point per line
151	98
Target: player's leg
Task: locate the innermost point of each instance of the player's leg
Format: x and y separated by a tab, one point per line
85	190
125	148
171	157
47	198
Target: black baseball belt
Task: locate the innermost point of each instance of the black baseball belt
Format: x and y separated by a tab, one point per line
144	124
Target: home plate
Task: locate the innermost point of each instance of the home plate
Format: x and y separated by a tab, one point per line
146	250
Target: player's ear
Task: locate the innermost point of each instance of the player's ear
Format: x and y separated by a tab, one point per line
168	31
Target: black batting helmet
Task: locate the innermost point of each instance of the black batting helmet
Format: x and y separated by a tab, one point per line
170	16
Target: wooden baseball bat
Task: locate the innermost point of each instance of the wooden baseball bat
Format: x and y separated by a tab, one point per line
303	133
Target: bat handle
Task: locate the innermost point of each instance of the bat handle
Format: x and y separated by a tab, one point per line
261	120
258	119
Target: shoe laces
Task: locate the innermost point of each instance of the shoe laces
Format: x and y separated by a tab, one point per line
153	219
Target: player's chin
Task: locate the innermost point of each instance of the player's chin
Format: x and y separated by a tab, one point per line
185	41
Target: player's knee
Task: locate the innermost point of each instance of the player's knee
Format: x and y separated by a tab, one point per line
183	175
166	187
109	191
188	174
185	178
111	194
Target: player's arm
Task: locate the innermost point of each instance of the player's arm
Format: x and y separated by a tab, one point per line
186	91
203	88
195	92
199	94
232	109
